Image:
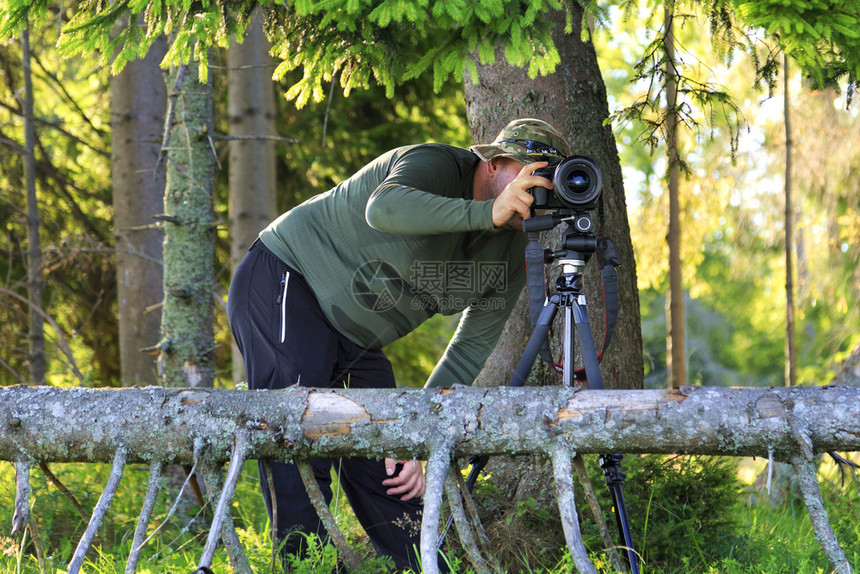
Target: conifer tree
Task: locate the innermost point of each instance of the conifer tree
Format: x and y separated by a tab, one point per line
385	42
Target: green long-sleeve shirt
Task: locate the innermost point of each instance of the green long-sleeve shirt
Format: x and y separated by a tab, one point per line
400	241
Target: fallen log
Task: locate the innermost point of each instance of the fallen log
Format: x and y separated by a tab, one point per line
41	424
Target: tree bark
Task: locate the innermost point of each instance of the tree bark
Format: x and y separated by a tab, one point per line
676	353
573	99
252	162
138	101
187	345
90	425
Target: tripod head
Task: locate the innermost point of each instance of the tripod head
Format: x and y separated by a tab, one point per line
578	244
578	241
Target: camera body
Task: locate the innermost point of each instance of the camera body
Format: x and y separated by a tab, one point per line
576	184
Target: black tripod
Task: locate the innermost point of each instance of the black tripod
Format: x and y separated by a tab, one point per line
578	244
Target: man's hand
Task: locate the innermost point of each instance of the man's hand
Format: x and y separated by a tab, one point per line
513	204
409	482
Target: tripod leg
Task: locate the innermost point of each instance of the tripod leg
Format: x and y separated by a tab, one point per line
567	346
611	465
539	335
586	344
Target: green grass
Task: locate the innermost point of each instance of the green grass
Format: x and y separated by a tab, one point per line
755	539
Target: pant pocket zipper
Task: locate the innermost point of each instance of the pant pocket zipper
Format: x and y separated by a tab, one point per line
282	302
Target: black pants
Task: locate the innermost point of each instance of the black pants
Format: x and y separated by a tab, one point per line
286	340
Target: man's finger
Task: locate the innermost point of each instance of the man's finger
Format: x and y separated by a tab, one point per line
409	490
405	487
529	168
408	483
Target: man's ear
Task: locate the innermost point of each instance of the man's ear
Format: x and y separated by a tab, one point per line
491	166
495	165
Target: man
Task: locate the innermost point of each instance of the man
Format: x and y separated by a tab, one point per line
420	230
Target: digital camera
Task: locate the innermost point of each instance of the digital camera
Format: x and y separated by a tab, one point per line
576	184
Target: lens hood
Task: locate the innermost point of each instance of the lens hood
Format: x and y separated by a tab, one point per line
577	182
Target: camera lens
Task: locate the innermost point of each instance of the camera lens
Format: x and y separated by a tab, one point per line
577	182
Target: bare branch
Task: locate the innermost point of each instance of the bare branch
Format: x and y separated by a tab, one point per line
318	500
843	463
182	533
55	125
22	497
222	510
61	339
109	250
168	121
211	141
467	536
483	539
567	507
267	471
99	512
59	85
23	517
438	464
256	138
33	527
804	471
65	491
138	542
188	478
13	372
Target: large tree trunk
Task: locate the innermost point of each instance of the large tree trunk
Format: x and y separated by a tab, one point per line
170	425
138	101
252	161
573	99
90	425
187	345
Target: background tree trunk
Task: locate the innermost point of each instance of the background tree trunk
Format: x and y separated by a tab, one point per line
138	101
790	348
252	162
187	341
34	247
676	354
573	99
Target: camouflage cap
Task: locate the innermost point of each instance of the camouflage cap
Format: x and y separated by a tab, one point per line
526	140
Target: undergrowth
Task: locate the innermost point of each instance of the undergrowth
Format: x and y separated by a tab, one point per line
688	514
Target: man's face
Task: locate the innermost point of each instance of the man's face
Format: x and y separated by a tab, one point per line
506	170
